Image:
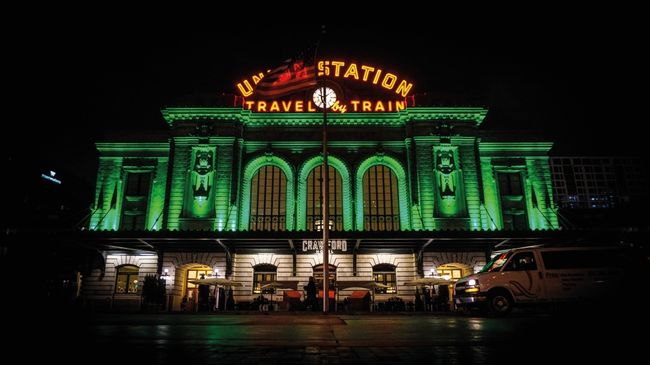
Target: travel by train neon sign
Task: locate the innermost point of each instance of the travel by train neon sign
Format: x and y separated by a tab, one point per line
260	92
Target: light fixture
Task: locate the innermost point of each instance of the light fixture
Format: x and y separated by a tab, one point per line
318	223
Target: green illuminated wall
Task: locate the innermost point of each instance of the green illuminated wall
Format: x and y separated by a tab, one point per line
183	214
115	162
531	161
396	167
250	170
341	168
425	197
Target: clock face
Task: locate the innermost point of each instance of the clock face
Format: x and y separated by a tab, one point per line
330	97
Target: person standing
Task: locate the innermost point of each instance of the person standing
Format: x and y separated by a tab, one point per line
310	288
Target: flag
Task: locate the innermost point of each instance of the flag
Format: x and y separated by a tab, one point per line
293	75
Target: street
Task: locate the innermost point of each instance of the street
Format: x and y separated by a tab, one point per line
316	338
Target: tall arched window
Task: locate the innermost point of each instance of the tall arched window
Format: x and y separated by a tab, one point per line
264	274
268	200
127	280
385	274
380	199
314	210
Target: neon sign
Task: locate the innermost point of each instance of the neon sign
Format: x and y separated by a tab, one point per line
301	106
371	75
317	245
364	73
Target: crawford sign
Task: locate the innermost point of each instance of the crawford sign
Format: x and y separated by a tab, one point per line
317	245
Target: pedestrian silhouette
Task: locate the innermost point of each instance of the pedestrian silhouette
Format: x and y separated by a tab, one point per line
310	288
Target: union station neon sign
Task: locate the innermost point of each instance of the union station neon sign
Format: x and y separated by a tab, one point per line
373	76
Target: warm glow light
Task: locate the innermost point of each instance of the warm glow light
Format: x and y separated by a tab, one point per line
346	70
301	106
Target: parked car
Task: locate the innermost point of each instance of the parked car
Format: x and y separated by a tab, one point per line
534	275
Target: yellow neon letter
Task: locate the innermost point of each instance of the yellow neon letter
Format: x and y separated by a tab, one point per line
379	107
275	107
366	71
355	105
299	106
286	106
366	106
249	105
337	67
352	70
323	68
247	91
399	105
388	84
404	88
376	79
261	106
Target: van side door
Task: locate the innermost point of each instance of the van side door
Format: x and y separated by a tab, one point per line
580	273
522	276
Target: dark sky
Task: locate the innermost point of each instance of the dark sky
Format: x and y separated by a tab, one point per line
580	87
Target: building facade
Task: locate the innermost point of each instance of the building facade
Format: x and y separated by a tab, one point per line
235	193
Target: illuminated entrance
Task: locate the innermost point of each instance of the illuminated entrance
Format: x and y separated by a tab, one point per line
318	275
191	292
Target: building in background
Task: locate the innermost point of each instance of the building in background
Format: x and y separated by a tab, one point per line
600	191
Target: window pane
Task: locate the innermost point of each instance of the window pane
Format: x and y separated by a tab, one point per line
268	199
381	209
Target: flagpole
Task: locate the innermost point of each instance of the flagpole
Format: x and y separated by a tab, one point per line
325	186
325	222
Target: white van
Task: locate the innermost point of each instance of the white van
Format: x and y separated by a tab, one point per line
542	275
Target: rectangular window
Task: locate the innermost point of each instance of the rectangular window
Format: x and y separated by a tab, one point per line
513	204
136	199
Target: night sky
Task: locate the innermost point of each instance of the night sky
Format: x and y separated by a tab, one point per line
578	87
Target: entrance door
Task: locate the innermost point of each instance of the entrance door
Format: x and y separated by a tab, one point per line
191	289
318	275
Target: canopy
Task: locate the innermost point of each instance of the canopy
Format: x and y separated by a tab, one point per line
287	284
431	280
342	285
216	281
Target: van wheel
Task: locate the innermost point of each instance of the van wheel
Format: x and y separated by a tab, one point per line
499	303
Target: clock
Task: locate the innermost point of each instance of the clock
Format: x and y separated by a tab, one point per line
330	97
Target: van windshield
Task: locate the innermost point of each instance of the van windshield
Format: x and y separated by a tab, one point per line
496	263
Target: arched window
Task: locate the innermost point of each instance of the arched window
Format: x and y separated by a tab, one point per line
127	280
314	210
380	199
264	274
268	200
385	274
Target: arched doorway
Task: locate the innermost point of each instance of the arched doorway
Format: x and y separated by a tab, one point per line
452	271
318	278
190	300
318	275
